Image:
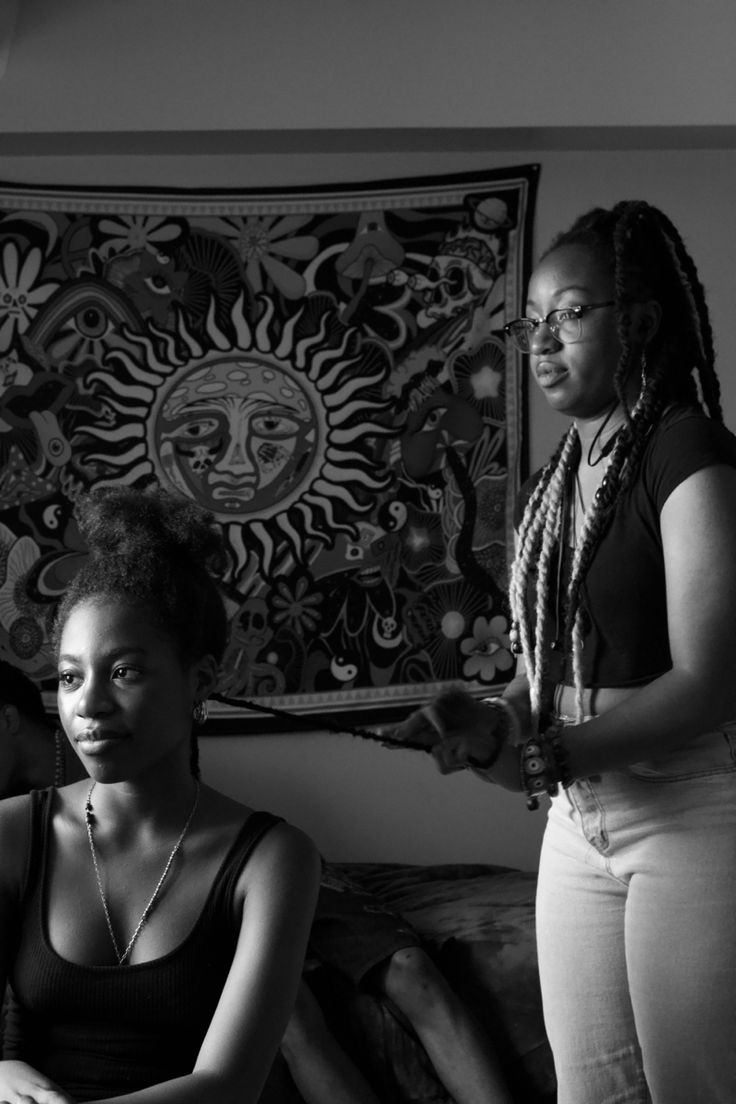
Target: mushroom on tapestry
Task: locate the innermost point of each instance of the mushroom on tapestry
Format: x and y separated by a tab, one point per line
371	255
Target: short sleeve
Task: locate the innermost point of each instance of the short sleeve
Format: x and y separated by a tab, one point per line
685	443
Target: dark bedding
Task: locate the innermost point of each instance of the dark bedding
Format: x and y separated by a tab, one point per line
478	923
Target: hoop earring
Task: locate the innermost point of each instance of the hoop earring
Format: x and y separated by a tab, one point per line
200	712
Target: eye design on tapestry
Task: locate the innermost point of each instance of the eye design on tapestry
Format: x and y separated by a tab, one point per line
326	373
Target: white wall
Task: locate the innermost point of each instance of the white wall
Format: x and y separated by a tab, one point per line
227	93
257	65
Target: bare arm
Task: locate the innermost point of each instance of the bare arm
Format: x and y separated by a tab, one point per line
247	1027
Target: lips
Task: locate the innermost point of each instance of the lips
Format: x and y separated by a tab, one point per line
98	739
549	374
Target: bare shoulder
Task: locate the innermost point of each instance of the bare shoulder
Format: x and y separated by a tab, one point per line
711	486
285	865
288	846
283	847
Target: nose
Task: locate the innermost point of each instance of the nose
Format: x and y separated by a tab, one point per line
236	456
542	340
94	697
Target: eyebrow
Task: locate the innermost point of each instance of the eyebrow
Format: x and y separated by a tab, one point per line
118	653
561	291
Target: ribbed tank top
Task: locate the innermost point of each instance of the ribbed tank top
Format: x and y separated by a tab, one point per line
103	1031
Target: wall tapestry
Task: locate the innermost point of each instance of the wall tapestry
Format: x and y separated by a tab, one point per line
323	368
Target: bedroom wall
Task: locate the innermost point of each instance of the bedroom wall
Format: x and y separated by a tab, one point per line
115	67
109	92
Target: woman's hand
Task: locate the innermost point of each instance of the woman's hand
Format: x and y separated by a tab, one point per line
22	1084
461	732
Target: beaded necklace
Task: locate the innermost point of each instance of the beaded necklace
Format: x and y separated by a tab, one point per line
59	759
89	817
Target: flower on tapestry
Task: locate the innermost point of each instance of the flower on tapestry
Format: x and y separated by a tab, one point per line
294	607
128	233
20	617
19	298
438	619
262	242
487	649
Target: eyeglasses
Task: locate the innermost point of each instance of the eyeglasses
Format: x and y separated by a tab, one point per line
566	324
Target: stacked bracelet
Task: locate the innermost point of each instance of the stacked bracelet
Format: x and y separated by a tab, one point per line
553	734
544	766
538	771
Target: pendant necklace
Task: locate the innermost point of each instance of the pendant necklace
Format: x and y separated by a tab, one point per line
89	817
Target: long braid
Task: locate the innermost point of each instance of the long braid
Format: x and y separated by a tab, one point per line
710	386
540	529
551	534
649	261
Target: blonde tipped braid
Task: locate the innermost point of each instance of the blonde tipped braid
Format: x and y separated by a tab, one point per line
540	528
530	524
552	537
539	531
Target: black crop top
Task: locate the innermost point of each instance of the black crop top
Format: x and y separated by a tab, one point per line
102	1031
623	596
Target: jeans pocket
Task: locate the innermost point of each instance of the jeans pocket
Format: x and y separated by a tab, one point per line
710	753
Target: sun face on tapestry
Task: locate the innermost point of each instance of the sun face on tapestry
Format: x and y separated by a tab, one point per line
325	372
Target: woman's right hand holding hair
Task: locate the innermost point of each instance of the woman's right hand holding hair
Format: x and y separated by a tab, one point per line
461	731
22	1084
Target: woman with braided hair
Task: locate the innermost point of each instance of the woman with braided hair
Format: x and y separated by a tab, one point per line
623	599
152	930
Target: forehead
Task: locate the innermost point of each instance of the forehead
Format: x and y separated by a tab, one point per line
570	269
105	623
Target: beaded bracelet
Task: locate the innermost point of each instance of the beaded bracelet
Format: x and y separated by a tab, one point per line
538	771
544	765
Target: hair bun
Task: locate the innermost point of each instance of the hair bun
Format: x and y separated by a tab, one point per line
123	522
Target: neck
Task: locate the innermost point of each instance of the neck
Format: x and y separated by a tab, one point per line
597	432
151	803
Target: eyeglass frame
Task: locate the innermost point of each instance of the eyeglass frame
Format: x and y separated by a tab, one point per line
579	310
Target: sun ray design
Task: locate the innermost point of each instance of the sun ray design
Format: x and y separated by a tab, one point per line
327	372
276	429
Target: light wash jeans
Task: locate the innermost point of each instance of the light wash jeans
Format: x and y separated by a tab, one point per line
636	930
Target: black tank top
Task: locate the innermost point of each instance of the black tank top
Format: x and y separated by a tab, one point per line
102	1031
